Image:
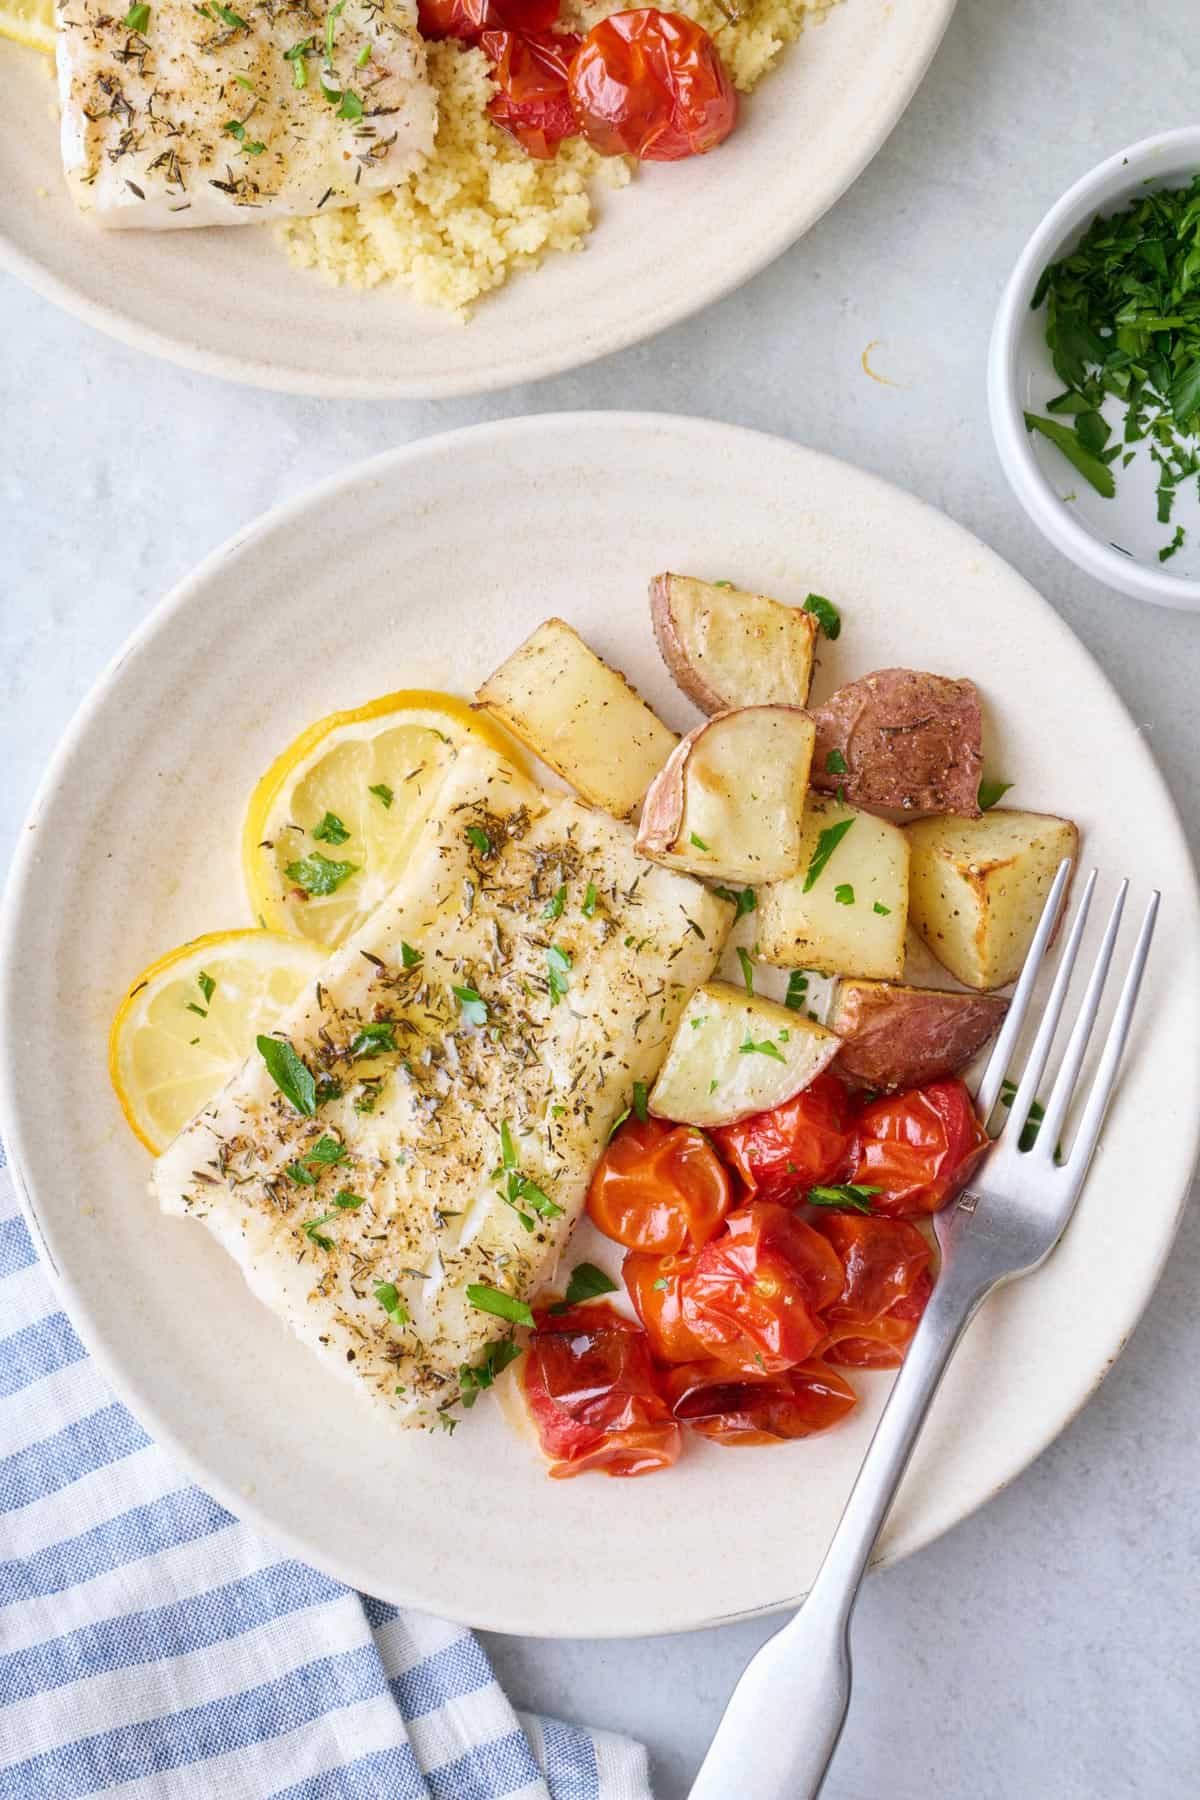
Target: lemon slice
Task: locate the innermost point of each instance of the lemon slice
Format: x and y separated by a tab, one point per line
29	22
190	1018
332	821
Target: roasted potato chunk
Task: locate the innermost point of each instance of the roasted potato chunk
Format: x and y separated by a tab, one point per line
727	648
902	1037
978	886
730	800
580	716
734	1054
844	912
902	743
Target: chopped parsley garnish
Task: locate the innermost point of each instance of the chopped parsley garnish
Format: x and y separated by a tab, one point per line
640	1092
388	1296
558	963
881	909
296	56
471	1005
745	899
796	997
766	1048
351	107
331	19
199	1010
316	874
375	1040
290	1073
347	1202
1093	469
207	986
557	1110
617	1123
850	1196
589	900
314	1234
835	763
827	843
826	614
743	956
408	956
991	792
843	893
502	1306
363	57
553	908
137	18
228	17
698	842
479	840
473	1378
1033	1123
1176	543
331	829
297	1172
327	1151
661	1285
587	1283
382	793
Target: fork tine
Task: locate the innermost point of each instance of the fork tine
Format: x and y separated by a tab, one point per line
993	1076
1039	1053
1080	1153
1072	1062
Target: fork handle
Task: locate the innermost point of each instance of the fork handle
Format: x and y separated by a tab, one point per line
782	1725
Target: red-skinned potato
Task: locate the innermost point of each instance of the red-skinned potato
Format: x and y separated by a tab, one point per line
727	648
901	743
729	801
902	1037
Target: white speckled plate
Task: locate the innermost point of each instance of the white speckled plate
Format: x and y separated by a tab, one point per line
420	569
225	301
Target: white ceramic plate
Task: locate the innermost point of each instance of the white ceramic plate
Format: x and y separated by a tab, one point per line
422	568
225	301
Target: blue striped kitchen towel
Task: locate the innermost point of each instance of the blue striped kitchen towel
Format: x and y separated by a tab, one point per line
150	1643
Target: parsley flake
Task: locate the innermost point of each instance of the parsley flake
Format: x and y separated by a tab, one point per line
743	956
587	1283
850	1196
843	894
745	900
479	840
766	1048
553	908
388	1296
331	829
827	843
316	874
826	614
408	956
290	1073
313	1233
991	792
471	1005
501	1305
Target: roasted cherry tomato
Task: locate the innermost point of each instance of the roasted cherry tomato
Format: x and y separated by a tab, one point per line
530	69
917	1148
594	1395
469	19
651	84
659	1187
888	1281
759	1409
801	1144
757	1291
655	1285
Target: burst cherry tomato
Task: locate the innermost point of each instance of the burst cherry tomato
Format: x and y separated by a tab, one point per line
798	1145
655	1285
888	1281
530	69
757	1291
659	1187
651	84
759	1409
468	19
917	1148
594	1395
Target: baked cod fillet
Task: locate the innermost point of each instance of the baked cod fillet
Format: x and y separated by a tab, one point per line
471	1048
176	113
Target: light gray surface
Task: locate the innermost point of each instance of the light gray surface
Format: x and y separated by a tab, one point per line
1046	1649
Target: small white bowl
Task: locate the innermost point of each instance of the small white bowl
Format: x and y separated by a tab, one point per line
1116	540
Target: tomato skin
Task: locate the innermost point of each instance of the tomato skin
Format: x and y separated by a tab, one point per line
659	1188
888	1281
757	1291
661	1308
651	84
917	1148
469	19
759	1409
594	1395
533	104
803	1143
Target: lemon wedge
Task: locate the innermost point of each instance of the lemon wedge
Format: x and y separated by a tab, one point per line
191	1018
330	824
28	22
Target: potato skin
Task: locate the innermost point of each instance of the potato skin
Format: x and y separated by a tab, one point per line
727	648
911	743
662	809
682	670
898	1037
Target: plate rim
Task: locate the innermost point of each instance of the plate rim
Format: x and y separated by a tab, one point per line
22	876
692	297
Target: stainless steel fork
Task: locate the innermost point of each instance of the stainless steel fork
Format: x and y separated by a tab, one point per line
783	1723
